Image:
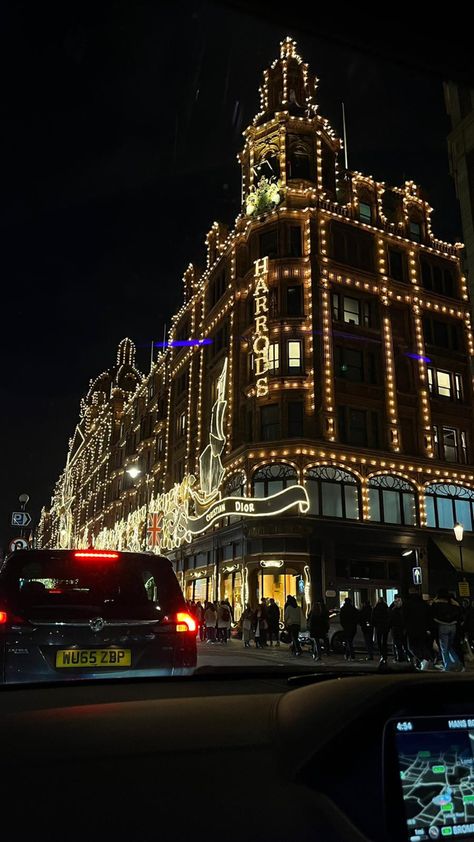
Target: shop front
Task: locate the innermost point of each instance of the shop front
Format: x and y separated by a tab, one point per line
277	579
199	584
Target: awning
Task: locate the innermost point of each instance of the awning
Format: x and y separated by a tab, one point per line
450	549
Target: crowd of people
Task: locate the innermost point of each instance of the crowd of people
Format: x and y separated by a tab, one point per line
432	634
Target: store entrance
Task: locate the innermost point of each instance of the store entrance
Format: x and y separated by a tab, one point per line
279	586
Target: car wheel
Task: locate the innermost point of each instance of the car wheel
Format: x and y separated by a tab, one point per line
337	643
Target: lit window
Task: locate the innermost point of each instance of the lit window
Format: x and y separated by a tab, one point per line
444	383
294	355
273	357
458	386
365	212
182	423
351	311
430	379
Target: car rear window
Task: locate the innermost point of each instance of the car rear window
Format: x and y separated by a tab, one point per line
58	579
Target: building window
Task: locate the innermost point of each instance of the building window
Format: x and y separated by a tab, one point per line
445	384
392	500
415	231
365	212
443	334
295	241
294	301
437	278
450	444
271	479
273	302
396	264
355	248
295	419
332	493
270	422
269	244
353	311
273	357
447	504
217	288
221	339
349	364
236	485
295	362
358	426
181	424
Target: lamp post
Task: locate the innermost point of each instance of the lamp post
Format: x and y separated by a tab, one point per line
458	530
134	471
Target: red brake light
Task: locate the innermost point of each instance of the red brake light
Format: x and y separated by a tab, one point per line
95	554
185	622
3	617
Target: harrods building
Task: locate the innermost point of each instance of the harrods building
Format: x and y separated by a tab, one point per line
326	345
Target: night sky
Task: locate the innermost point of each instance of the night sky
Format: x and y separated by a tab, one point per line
120	129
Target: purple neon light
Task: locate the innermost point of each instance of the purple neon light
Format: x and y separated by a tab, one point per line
182	343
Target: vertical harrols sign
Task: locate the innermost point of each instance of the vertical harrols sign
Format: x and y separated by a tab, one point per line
261	342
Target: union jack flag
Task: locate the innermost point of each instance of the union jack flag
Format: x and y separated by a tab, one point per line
154	529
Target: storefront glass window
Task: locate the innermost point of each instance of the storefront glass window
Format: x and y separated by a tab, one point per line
332	492
273	478
446	503
392	500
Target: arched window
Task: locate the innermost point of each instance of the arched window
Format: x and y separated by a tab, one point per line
445	504
392	500
236	485
299	158
332	493
273	478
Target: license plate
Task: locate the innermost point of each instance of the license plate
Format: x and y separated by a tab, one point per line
93	658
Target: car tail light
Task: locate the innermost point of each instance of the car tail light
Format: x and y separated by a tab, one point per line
93	555
3	617
185	622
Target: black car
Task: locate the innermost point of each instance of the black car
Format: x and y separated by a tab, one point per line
92	613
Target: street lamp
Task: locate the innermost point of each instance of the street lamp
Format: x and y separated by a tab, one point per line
134	471
458	530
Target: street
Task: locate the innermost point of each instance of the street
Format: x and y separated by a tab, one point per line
233	654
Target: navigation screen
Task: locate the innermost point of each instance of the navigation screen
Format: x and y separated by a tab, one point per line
436	766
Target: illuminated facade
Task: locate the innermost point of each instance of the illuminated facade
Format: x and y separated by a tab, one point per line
337	380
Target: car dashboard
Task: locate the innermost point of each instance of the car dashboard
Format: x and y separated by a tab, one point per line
242	756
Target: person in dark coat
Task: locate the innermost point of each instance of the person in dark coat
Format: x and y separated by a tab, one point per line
381	624
318	623
365	619
417	621
447	614
398	631
349	617
273	620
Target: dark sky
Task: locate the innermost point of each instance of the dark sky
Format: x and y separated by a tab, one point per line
120	128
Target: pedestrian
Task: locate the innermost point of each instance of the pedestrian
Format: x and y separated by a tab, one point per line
396	626
417	620
381	624
246	624
273	620
365	620
349	617
229	606
200	620
210	619
318	624
469	625
447	614
223	621
261	625
292	619
327	621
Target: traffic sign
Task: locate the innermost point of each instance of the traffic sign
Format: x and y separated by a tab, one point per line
18	544
417	575
20	519
464	589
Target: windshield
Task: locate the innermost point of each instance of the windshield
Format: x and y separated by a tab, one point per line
239	335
